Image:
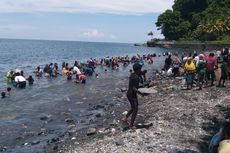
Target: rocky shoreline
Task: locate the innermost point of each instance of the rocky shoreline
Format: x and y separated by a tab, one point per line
175	121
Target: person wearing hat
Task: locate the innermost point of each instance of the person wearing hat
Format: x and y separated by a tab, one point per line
132	92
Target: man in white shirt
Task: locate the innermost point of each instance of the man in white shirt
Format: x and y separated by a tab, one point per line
20	80
76	70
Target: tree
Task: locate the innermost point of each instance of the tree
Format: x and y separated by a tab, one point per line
199	19
172	26
150	34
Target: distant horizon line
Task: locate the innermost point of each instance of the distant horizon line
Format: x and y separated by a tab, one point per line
34	39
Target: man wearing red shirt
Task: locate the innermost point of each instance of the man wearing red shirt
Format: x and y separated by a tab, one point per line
211	65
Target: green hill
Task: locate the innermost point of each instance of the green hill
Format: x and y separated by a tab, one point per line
204	20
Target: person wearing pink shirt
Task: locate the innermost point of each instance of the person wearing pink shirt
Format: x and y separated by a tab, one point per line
211	65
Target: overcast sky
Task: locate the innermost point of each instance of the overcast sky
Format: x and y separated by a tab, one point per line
81	20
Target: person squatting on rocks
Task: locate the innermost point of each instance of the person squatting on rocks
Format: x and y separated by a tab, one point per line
132	92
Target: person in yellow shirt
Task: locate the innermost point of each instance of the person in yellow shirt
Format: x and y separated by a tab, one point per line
190	70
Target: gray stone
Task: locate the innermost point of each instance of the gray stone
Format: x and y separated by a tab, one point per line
44	118
123	89
144	125
91	131
35	142
53	140
68	120
119	142
71	126
55	147
98	115
3	149
72	132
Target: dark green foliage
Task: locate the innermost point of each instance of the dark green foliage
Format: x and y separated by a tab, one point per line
196	19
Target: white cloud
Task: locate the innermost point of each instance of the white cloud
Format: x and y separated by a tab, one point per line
112	36
131	7
93	33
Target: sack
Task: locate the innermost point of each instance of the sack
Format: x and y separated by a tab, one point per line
169	72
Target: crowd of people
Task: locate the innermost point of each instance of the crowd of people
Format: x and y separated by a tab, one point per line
78	72
203	69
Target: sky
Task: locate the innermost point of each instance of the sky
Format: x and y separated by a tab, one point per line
127	21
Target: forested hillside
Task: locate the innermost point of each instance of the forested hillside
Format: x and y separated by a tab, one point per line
204	20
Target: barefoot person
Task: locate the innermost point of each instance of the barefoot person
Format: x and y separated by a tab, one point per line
132	93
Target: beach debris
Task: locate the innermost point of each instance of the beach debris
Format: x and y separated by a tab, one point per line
144	125
125	112
147	90
25	144
113	130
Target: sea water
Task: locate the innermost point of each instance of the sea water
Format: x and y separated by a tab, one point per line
20	112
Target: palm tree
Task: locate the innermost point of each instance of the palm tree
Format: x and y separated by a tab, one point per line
150	34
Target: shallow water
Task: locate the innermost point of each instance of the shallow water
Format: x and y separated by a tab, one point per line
20	113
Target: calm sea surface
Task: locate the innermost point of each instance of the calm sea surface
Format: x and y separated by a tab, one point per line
20	113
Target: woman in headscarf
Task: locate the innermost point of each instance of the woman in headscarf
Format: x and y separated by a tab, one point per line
201	69
190	70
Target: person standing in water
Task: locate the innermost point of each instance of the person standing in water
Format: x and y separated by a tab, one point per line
132	92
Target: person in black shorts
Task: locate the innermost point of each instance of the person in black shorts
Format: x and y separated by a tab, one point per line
134	80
